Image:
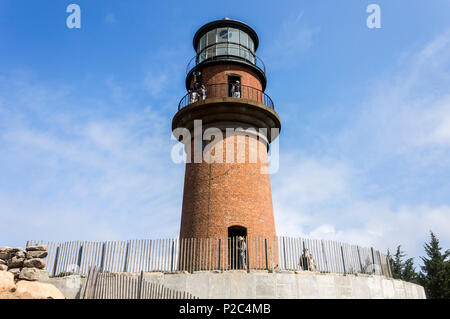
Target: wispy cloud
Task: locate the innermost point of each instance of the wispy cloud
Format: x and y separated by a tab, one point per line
294	37
72	173
383	180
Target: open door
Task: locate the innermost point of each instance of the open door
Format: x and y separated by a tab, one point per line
235	260
234	87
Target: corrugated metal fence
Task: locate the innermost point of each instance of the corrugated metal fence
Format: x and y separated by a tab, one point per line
193	254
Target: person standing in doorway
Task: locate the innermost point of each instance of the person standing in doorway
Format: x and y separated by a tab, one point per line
242	252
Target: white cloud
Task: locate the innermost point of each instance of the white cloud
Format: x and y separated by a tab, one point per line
293	38
410	110
76	173
401	130
156	83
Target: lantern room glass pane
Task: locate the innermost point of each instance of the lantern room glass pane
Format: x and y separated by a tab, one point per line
233	49
210	52
211	37
221	49
202	43
202	57
233	35
251	45
222	35
243	38
244	53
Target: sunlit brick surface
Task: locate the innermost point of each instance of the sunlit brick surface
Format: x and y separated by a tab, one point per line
218	74
220	195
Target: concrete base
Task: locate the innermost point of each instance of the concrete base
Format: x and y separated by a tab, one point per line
264	285
70	286
287	285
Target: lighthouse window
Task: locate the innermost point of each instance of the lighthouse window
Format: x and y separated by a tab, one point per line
210	52
233	49
222	49
222	35
211	37
244	53
202	43
226	41
233	35
244	39
251	45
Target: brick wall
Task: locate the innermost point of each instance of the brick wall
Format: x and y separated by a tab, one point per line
218	73
220	195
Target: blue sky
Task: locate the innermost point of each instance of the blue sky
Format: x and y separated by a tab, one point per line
85	118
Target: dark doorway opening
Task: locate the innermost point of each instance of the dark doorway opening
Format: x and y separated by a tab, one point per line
237	247
234	85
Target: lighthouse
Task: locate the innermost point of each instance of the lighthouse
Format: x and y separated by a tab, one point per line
229	196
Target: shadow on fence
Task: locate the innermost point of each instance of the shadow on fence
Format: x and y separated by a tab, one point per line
195	254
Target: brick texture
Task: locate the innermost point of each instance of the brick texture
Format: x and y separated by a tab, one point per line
220	195
218	74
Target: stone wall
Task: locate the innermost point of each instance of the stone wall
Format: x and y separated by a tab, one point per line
24	264
22	274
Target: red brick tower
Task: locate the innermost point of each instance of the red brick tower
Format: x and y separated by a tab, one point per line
233	197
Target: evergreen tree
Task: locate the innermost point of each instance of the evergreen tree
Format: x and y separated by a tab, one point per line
409	271
435	272
403	270
396	263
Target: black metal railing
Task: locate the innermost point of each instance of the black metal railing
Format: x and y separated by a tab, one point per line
194	254
238	53
227	90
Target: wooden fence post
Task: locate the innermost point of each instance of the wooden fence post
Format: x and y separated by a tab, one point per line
102	260
324	256
55	264
373	260
80	254
218	262
127	252
359	259
141	283
265	246
171	260
343	260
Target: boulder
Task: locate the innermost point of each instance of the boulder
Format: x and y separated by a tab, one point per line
36	254
34	263
33	274
5	252
37	248
3	262
37	290
20	254
6	280
15	262
15	271
3	267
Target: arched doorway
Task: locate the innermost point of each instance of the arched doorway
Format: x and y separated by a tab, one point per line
235	247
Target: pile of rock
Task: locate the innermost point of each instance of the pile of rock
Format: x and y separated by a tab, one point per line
26	264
